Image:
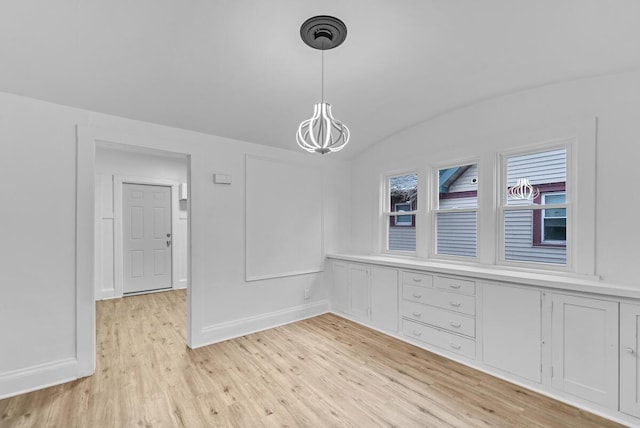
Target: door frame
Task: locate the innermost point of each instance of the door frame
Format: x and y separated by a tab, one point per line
87	138
118	219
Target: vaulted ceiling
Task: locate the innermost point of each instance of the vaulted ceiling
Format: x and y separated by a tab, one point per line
238	68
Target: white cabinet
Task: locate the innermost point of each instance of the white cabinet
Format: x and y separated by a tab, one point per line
339	286
384	298
629	361
512	336
358	291
584	348
573	344
439	311
366	293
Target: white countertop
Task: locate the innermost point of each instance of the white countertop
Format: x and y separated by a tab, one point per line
547	279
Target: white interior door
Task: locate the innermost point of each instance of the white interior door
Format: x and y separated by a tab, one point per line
146	237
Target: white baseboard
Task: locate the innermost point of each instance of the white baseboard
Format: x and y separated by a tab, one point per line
237	328
29	379
109	293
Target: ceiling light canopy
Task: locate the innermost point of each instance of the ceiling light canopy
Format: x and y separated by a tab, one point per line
323	133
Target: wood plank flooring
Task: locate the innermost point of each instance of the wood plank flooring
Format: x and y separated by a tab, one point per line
322	372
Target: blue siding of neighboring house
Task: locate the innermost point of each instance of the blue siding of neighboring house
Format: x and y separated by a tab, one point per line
550	167
457	234
402	238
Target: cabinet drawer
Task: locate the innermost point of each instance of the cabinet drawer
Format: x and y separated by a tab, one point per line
415	278
454	284
437	317
415	293
440	298
442	339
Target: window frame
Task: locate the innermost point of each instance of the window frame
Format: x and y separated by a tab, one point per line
386	212
435	210
570	201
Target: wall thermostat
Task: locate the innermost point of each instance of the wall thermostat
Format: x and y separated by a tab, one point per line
222	178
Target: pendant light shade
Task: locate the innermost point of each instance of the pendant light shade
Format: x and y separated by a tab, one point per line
322	133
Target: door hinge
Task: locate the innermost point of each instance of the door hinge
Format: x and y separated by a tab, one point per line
552	306
551	371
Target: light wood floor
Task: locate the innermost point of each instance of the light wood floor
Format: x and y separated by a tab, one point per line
322	372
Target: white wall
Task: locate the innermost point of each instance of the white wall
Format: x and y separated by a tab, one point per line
38	257
504	123
115	161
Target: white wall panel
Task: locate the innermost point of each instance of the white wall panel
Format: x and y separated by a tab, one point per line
283	218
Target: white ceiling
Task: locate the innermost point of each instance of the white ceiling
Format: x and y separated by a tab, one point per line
238	68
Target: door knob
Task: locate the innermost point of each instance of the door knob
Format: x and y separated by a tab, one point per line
629	350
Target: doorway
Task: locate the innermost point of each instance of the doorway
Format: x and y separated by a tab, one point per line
94	215
138	203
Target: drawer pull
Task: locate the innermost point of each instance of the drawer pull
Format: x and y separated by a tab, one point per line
455	345
455	324
417	314
416	295
454	286
417	333
455	304
629	350
417	279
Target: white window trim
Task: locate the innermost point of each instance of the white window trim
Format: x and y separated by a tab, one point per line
502	207
435	210
581	213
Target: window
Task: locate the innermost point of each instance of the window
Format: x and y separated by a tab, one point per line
401	205
456	211
535	224
550	225
554	221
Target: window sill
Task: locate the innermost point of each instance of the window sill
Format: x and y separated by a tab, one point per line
540	278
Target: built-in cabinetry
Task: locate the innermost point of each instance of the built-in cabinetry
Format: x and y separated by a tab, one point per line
577	345
512	330
584	348
629	361
439	311
366	293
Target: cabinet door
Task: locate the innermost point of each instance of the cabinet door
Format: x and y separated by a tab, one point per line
359	291
511	320
584	348
384	298
339	286
629	361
